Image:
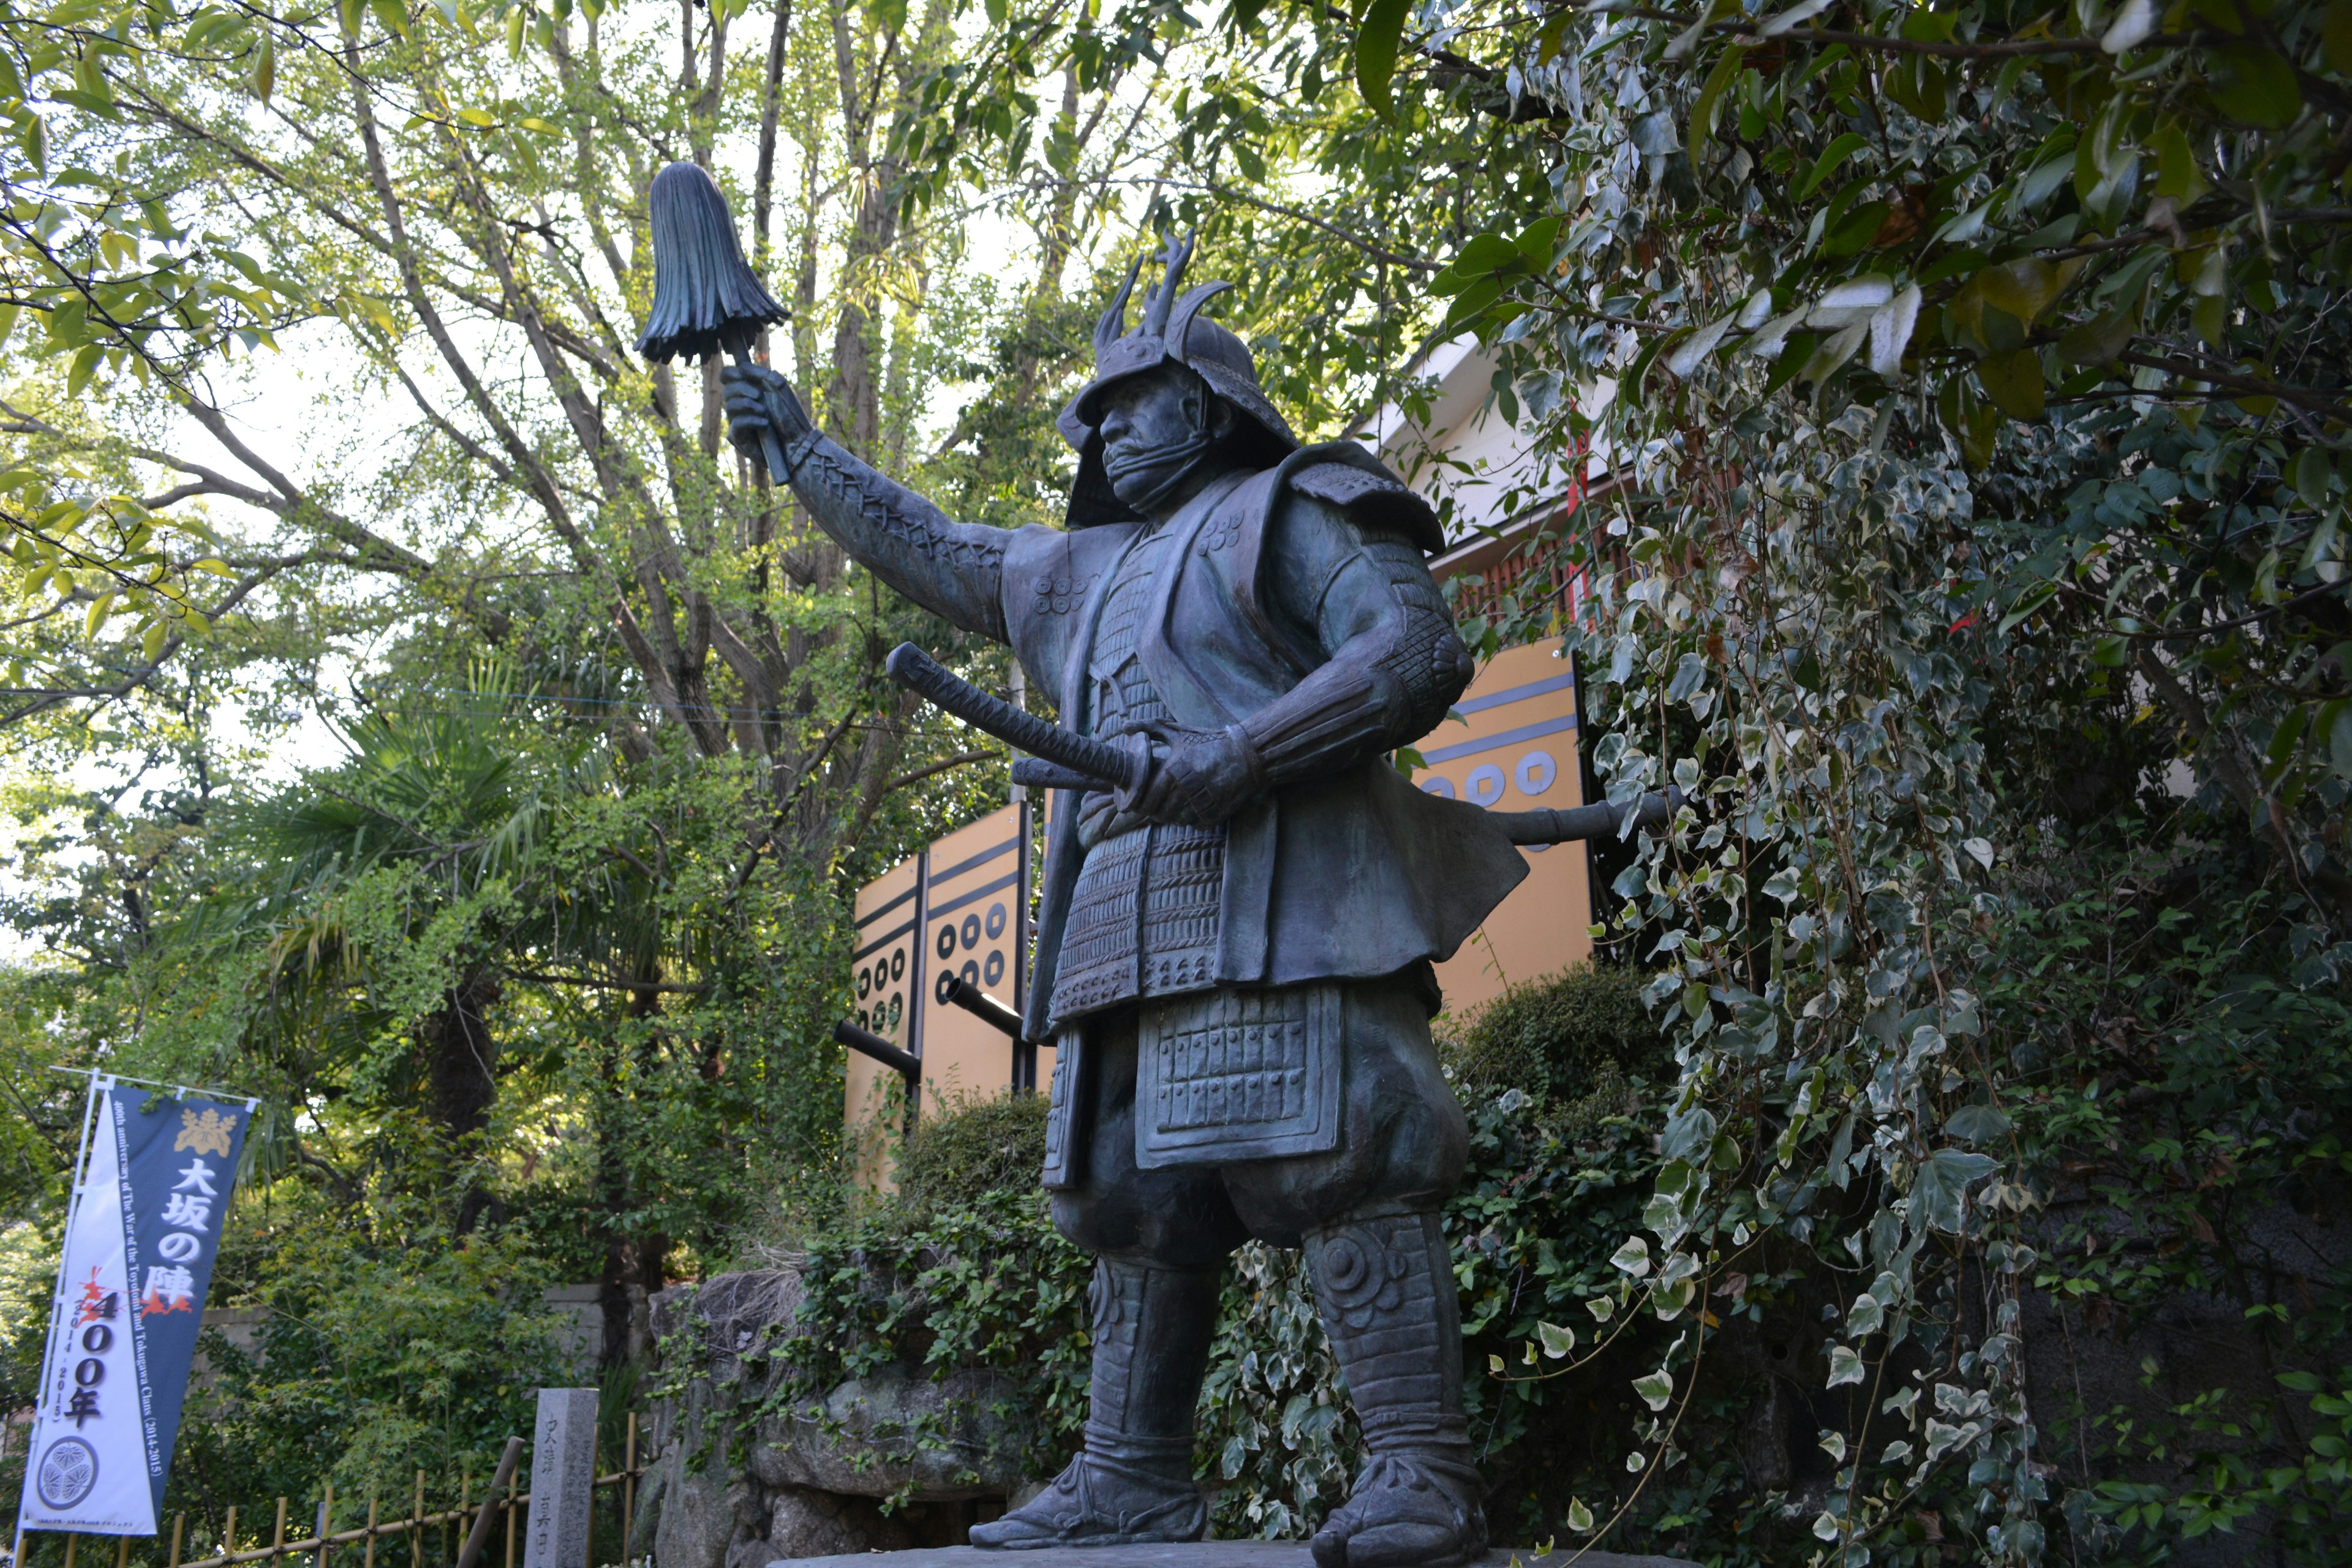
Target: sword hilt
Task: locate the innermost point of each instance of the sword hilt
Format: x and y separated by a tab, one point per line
1113	768
1038	774
1579	822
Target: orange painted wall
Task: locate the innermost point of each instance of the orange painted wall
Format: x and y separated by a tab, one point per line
1515	749
956	909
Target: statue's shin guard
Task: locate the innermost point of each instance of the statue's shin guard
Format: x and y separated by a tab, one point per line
1153	1326
1384	1286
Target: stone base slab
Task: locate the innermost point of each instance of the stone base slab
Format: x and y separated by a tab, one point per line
1195	1554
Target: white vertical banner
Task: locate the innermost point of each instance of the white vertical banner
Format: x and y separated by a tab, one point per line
87	1466
152	1192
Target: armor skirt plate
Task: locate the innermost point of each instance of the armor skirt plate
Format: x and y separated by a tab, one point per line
1225	1075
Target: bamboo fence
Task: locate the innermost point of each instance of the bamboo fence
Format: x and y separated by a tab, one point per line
427	1533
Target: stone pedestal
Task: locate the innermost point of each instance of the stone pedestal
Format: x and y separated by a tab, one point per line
562	1478
1198	1555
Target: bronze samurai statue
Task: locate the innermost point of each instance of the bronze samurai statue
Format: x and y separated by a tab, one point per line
1232	959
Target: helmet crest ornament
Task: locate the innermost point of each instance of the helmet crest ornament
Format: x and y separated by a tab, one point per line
1173	332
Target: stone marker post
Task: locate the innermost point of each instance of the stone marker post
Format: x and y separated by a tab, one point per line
562	1476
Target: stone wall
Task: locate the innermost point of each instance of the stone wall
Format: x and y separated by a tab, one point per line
740	1478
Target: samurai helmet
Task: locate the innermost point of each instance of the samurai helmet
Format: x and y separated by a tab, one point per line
1173	332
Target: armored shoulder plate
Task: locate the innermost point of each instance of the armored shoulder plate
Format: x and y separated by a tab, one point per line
1374	498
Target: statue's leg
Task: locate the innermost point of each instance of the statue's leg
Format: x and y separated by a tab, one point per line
1368	1216
1160	1239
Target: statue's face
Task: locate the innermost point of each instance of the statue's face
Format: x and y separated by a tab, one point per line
1155	425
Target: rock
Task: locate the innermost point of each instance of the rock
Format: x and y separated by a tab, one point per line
698	1517
810	1481
878	1436
818	1524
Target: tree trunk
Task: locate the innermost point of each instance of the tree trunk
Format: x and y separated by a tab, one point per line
461	1059
461	1086
633	1262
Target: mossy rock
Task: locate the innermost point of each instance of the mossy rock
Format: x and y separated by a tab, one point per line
1554	1039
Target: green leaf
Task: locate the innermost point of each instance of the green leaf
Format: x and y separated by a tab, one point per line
85	365
1656	1389
1837	152
1941	1181
2013	381
2312	472
1856	229
2177	174
265	67
1557	1343
33	141
481	117
1580	1517
2025	287
2254	85
391	15
99	608
2099	340
1976	1124
1378	38
1710	100
2210	317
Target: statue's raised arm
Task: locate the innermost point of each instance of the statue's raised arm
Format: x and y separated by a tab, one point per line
953	569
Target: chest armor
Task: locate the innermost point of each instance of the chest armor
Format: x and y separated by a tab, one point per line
1144	916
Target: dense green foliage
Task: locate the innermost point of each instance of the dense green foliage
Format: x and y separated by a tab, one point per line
1550	1041
970	1145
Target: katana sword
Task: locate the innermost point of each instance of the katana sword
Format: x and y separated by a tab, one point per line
1102	765
1064	759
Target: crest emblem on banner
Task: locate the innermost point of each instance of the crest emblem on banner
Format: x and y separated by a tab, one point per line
206	1133
68	1470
